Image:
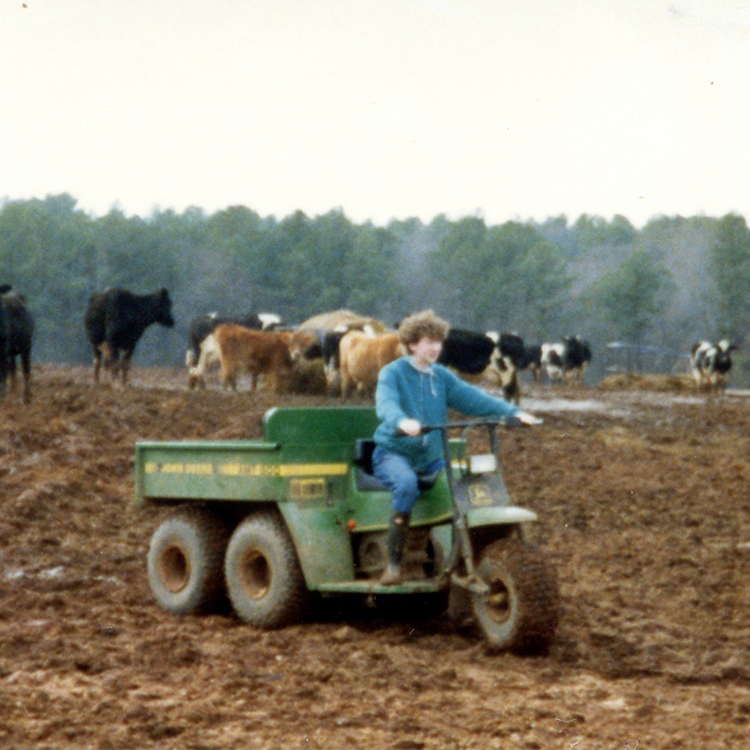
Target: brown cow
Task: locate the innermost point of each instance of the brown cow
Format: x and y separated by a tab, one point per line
299	340
254	352
363	356
307	376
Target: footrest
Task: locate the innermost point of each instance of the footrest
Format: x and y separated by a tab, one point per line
375	587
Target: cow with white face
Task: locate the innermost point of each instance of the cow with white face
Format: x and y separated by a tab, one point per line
566	360
710	363
552	361
508	358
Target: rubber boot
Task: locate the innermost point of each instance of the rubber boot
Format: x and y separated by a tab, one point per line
399	527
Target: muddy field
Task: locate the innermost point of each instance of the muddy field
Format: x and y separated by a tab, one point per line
645	511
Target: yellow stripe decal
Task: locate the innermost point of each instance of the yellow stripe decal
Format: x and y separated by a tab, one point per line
306	470
248	470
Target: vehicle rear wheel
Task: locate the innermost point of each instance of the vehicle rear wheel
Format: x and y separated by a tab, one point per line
520	613
263	576
185	561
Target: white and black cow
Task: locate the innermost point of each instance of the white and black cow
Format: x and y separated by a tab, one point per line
115	321
472	354
18	330
710	363
202	326
517	354
566	360
467	352
511	355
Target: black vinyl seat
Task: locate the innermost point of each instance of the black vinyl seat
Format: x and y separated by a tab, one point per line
368	482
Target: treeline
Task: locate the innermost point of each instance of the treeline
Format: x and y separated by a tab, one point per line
653	291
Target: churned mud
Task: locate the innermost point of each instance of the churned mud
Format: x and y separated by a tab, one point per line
644	506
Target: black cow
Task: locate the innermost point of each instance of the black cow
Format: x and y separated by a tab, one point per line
202	326
710	363
330	350
18	325
567	359
116	319
3	342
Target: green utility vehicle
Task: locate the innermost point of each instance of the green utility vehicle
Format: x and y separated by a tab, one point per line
272	523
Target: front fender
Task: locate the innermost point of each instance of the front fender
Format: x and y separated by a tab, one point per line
495	515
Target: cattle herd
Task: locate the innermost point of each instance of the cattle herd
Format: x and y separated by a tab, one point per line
344	350
350	351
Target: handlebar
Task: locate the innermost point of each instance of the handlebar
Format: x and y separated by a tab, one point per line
489	422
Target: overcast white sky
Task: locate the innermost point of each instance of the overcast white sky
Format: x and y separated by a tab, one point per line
513	109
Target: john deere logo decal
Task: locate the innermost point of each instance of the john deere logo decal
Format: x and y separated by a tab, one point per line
480	495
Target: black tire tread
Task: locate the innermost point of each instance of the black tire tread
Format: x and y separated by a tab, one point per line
288	597
537	596
206	535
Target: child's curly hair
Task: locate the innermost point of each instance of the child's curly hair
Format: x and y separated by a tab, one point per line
421	324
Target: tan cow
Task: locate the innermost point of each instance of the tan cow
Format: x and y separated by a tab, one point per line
363	356
242	350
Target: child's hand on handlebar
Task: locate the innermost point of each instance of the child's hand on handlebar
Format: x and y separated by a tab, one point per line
410	427
526	418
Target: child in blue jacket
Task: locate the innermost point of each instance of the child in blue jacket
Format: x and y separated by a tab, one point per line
412	391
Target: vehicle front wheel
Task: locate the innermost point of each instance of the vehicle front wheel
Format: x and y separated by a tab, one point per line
520	613
185	561
263	576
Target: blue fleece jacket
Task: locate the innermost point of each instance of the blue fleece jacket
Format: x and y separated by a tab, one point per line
404	392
